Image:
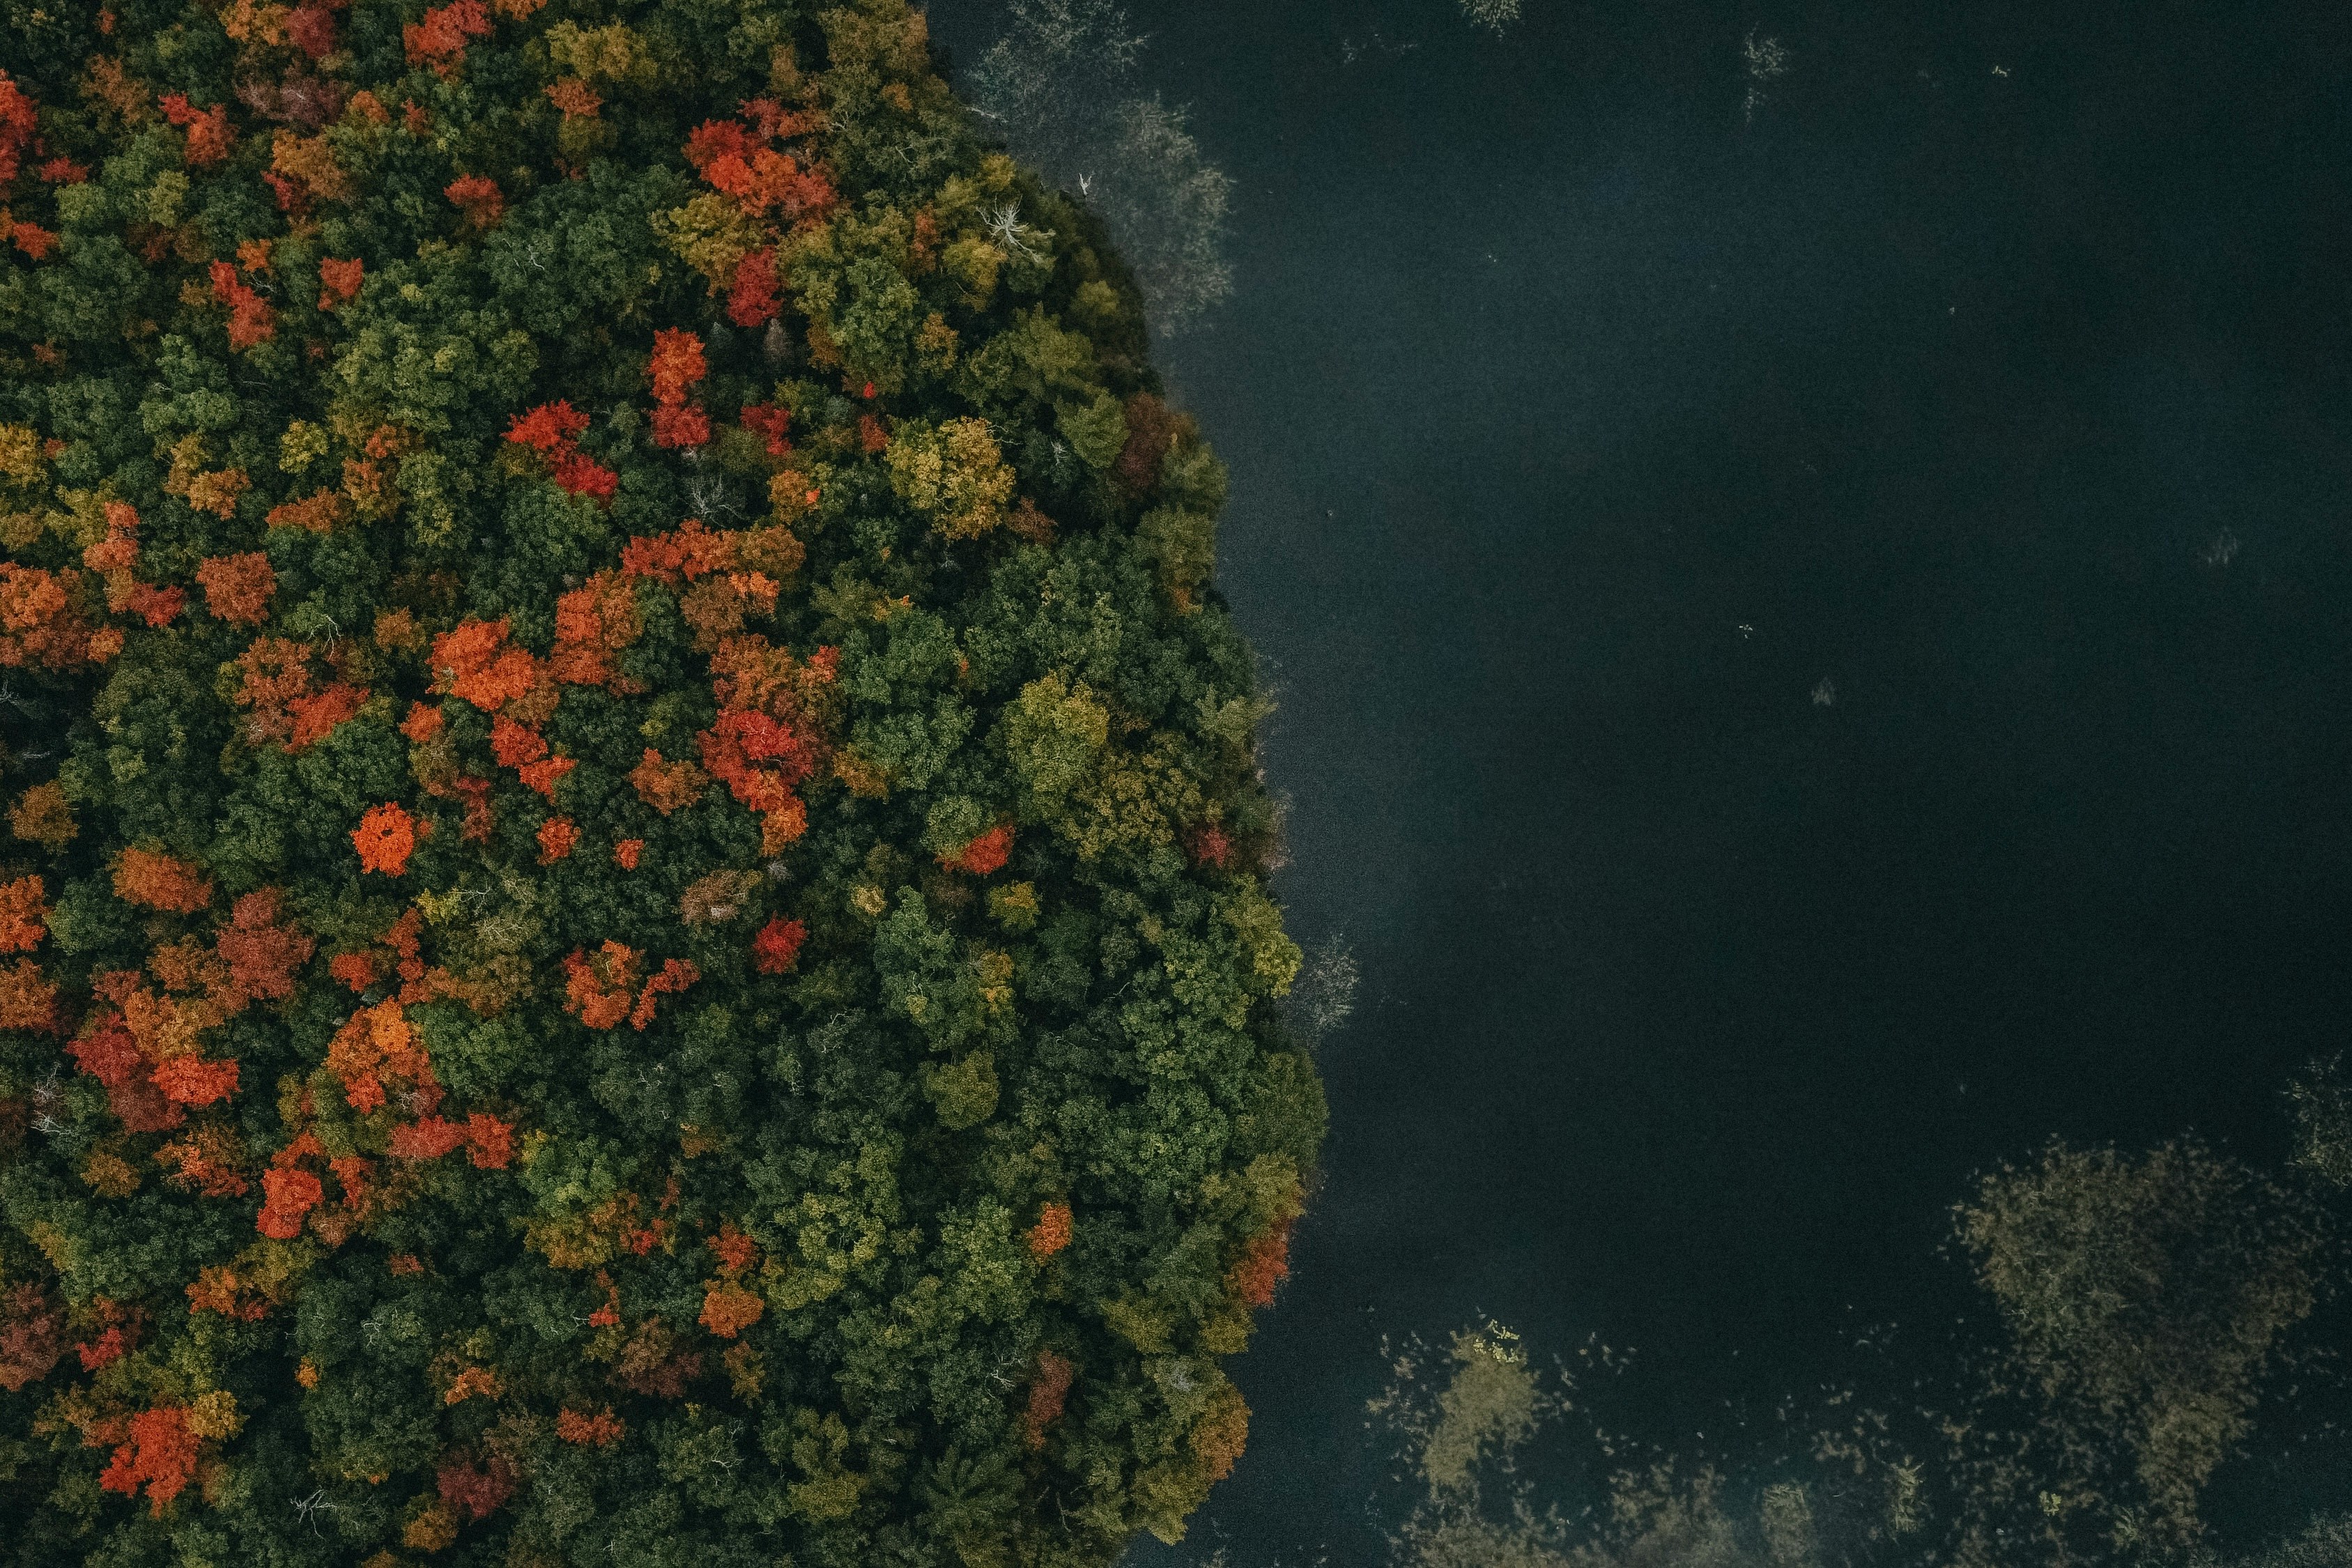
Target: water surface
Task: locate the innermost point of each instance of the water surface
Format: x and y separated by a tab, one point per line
1813	638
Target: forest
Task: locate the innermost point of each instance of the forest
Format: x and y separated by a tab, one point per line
637	898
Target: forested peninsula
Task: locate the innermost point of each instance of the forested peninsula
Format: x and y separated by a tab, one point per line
634	897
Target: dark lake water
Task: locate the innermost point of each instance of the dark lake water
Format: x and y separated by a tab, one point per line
1813	637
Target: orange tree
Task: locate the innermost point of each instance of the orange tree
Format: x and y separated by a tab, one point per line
633	913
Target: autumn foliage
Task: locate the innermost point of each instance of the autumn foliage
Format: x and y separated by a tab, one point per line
1049	1391
1264	1264
479	197
601	1429
987	853
158	1453
1051	1233
618	743
24	906
237	587
159	881
384	838
549	430
777	948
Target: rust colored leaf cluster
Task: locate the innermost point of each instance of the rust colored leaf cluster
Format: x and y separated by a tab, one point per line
285	704
769	736
237	587
18	121
438	38
32	1336
112	558
738	160
600	1430
1052	1232
319	512
986	853
159	1453
728	1308
1262	1266
668	787
479	197
675	366
376	1048
208	1160
1049	1390
751	294
599	987
384	838
558	837
777	949
477	663
40	626
156	880
261	949
339	281
552	430
209	134
24	909
397	951
250	319
593	623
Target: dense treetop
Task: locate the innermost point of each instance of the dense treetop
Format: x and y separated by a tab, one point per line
633	906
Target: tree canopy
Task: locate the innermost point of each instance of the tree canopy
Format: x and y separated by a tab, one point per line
635	910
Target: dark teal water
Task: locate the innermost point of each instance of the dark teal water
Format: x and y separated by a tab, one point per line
1992	372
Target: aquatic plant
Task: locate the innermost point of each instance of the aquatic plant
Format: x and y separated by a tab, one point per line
2322	1106
2139	1301
2144	1299
1496	14
1324	995
635	917
1060	86
2325	1542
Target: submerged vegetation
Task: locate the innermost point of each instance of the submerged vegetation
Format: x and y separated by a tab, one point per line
1496	14
2143	1300
2137	1306
1058	86
635	890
